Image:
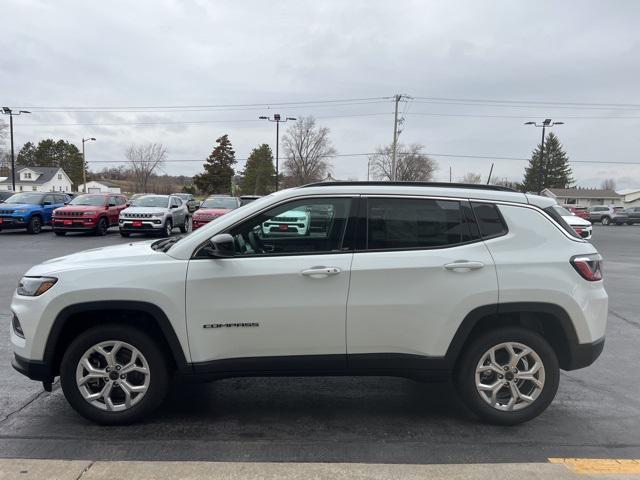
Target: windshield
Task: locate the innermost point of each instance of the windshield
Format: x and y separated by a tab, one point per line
220	202
563	212
151	201
92	200
25	198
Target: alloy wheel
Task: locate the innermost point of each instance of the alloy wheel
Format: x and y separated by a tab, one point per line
510	376
113	376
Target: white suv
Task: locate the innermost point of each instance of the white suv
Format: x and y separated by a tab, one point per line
155	214
424	281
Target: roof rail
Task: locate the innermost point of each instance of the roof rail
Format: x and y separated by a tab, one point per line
474	186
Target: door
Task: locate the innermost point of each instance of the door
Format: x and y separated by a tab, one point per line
177	213
48	206
423	269
114	209
280	301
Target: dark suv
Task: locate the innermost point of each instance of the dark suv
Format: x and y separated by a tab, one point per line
187	198
633	214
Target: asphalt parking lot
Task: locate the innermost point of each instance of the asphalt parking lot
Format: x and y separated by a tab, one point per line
596	413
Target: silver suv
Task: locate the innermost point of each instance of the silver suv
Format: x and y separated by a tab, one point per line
156	214
607	215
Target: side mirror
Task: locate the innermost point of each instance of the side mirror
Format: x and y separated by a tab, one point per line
47	204
112	204
223	245
173	207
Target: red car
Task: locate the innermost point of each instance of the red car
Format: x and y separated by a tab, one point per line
212	208
94	212
579	212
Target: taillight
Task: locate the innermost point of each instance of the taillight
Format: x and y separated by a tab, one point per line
588	266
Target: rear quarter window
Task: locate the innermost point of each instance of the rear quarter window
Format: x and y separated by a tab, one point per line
552	212
490	221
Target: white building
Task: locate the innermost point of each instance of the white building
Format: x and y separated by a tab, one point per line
38	179
583	197
630	197
101	186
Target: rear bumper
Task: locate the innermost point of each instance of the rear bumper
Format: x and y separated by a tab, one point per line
584	354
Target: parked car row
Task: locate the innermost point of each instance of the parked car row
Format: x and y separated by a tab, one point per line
97	212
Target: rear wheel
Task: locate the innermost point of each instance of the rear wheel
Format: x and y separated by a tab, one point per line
606	221
508	376
114	374
102	228
35	225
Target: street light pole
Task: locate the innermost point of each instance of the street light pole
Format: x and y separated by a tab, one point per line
542	177
8	111
84	164
277	119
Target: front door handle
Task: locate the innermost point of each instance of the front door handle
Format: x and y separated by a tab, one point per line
320	272
463	266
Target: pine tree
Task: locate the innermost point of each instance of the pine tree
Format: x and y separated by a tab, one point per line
549	170
218	169
259	175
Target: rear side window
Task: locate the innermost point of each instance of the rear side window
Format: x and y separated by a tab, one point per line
398	223
490	222
553	213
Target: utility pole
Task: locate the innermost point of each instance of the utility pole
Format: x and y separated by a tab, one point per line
8	111
394	147
542	177
84	163
277	119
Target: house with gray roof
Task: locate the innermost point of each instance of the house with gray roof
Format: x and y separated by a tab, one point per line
583	197
38	179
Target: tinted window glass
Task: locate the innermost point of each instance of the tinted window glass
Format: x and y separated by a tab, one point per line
414	223
553	213
303	226
490	221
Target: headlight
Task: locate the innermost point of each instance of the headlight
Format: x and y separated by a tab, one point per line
157	214
89	214
20	212
34	286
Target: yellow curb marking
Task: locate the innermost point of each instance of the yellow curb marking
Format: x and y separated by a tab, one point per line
588	466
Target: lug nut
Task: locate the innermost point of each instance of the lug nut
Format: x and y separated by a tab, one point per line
501	376
107	369
123	376
118	367
115	383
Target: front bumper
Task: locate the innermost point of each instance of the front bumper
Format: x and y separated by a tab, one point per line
79	224
147	225
13	222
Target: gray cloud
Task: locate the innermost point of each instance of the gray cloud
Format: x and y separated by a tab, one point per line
150	53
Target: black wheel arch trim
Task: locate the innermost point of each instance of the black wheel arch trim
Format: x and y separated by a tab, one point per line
156	313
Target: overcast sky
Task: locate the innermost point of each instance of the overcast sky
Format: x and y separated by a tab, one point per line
165	53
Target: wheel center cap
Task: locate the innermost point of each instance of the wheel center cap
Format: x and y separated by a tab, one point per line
509	376
113	375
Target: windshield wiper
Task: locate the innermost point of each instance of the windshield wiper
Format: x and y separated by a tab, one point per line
165	244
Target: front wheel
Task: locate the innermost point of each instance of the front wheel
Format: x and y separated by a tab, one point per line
60	233
187	226
35	225
102	228
114	374
168	228
629	223
606	221
508	376
125	234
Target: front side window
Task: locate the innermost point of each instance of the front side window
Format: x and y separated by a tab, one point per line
299	227
399	223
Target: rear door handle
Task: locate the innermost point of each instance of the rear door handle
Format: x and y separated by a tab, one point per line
320	272
463	266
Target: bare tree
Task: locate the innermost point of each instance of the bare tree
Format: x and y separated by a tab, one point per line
144	160
411	164
307	148
471	177
608	184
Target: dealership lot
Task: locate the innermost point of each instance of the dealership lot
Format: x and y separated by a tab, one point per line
371	419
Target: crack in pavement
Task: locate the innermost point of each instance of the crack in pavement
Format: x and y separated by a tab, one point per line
630	322
30	401
85	470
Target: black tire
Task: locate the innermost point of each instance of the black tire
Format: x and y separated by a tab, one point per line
629	223
185	227
35	225
168	228
466	369
60	233
606	221
158	369
102	228
125	234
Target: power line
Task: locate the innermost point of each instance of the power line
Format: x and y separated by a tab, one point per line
532	102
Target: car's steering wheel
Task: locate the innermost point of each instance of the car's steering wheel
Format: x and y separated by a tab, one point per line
254	242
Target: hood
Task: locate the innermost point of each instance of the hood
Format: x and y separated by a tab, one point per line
128	253
576	221
23	206
212	211
145	210
81	208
